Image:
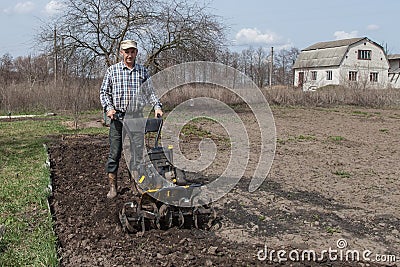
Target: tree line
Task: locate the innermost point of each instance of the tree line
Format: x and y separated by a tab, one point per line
79	43
254	62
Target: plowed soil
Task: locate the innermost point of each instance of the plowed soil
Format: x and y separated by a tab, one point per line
335	177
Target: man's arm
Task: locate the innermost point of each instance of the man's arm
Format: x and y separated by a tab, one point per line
106	96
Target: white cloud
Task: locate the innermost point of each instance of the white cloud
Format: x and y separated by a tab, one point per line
373	27
53	7
345	35
254	36
7	10
21	8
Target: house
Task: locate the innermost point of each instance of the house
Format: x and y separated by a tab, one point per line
356	62
394	70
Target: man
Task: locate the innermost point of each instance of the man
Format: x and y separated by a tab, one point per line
121	87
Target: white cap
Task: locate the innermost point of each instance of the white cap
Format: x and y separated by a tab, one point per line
128	44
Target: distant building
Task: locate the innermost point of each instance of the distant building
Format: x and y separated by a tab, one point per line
350	62
394	70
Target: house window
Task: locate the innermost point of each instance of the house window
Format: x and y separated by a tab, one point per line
352	75
329	75
373	77
314	75
364	54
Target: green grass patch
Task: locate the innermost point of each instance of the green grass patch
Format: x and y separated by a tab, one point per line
362	113
305	137
29	239
299	138
336	138
192	129
281	141
332	230
342	174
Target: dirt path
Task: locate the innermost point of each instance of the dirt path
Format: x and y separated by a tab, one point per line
334	177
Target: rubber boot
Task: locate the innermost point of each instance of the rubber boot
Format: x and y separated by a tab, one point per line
112	181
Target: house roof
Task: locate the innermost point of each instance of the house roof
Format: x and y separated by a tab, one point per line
394	56
321	57
325	54
333	44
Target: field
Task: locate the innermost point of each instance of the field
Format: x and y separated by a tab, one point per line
335	177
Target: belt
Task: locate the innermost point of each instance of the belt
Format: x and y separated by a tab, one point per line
119	115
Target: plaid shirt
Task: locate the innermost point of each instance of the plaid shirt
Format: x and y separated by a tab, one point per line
121	86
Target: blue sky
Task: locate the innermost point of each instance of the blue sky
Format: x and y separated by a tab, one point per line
281	24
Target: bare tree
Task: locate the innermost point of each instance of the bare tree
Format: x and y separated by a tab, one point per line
182	31
284	61
253	63
7	73
178	29
261	67
32	68
93	28
247	61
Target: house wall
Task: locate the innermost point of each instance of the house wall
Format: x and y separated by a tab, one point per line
321	79
378	64
394	73
340	74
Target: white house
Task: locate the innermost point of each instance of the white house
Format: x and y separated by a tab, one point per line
394	70
350	62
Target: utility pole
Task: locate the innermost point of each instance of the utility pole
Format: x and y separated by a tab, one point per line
283	67
55	55
271	67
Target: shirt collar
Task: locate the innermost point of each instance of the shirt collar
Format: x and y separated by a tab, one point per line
123	66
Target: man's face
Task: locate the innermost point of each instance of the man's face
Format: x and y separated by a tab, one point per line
129	56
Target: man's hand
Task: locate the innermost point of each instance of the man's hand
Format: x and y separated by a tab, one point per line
158	113
111	113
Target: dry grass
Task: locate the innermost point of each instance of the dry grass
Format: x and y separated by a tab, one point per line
334	96
183	93
77	96
71	95
283	96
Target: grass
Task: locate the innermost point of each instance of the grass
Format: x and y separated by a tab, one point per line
342	174
336	138
332	230
362	113
305	137
29	239
299	138
191	129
